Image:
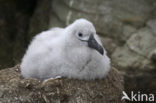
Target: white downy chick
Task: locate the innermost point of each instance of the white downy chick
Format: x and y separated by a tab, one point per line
73	52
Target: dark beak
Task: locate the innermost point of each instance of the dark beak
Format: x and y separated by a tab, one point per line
92	43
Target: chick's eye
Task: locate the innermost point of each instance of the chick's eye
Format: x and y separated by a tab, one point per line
80	34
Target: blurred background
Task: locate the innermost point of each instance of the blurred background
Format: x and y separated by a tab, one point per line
127	29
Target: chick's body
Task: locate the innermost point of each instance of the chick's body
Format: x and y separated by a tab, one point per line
58	52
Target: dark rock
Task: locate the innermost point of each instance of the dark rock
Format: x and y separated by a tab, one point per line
143	81
14	22
153	55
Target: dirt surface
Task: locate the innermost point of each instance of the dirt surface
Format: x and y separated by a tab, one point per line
15	89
